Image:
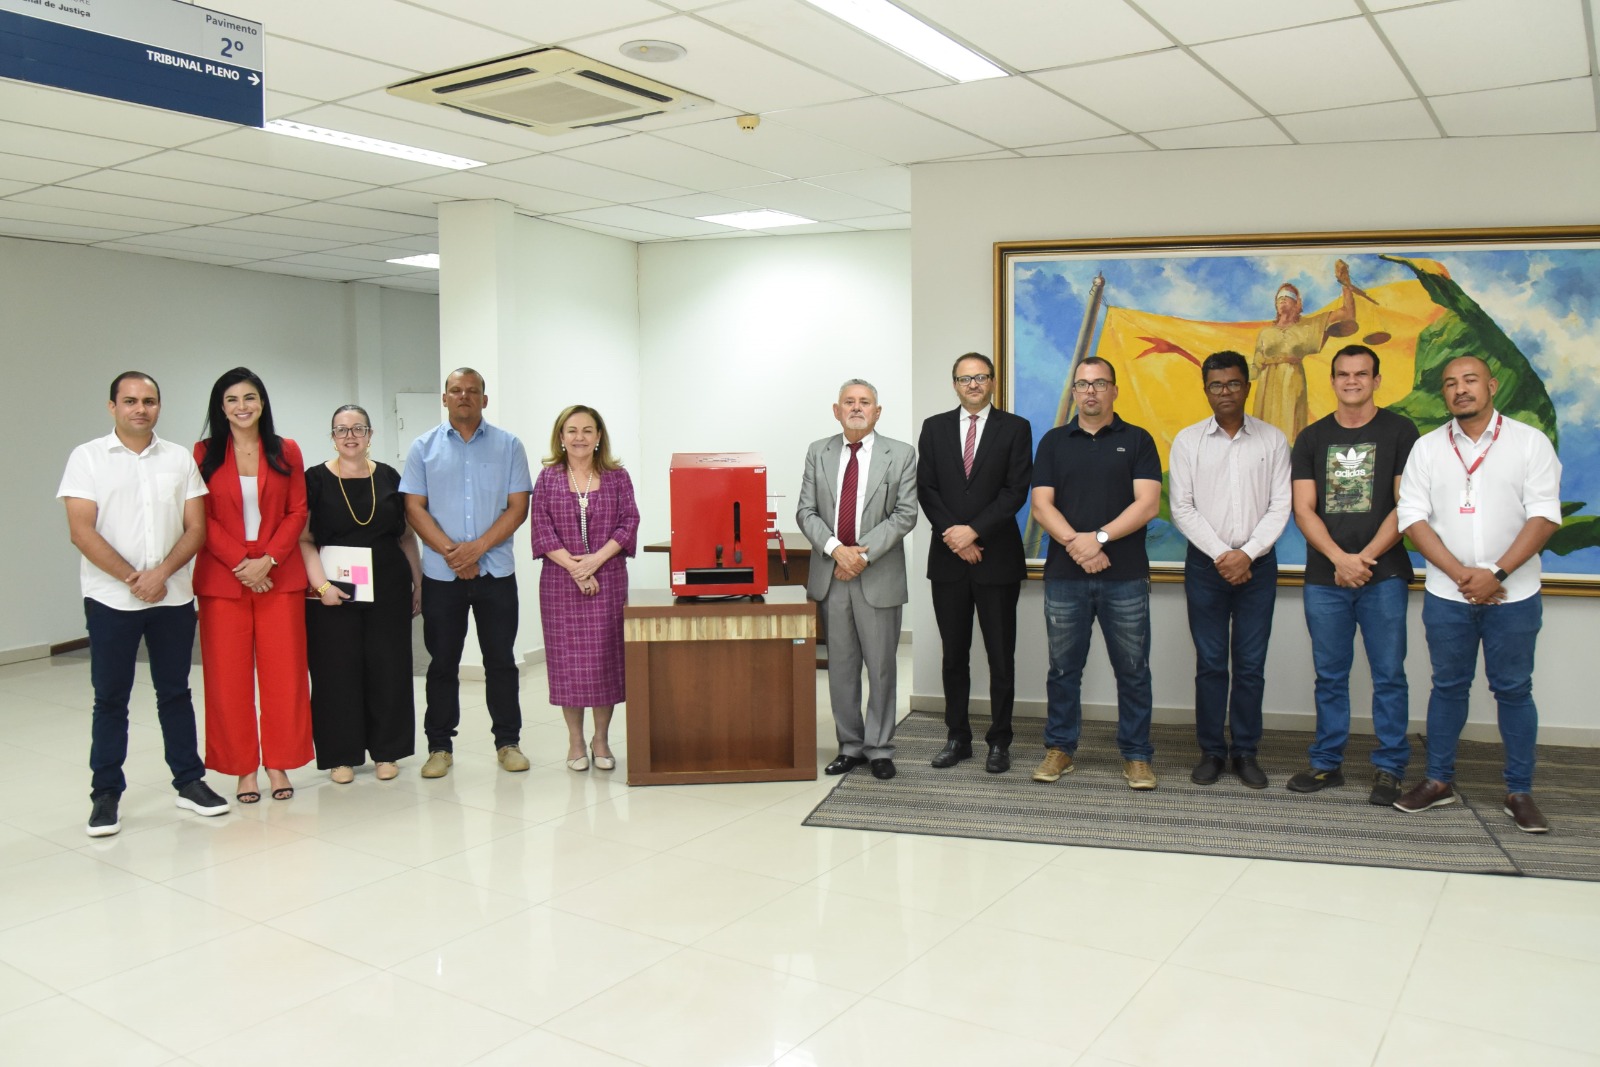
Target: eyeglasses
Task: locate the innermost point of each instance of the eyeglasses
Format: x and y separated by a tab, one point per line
1218	388
973	379
1099	385
352	431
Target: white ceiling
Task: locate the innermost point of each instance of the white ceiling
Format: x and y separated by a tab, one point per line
842	115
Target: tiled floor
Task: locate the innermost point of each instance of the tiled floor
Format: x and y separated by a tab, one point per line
554	918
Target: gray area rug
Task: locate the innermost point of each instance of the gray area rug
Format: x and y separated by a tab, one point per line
1094	807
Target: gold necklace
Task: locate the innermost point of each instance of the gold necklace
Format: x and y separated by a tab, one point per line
372	482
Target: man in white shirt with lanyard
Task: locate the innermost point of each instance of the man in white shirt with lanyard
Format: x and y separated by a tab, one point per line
1479	498
136	509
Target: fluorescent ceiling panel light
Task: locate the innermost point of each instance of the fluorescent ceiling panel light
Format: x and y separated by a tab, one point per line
756	220
906	33
369	144
427	259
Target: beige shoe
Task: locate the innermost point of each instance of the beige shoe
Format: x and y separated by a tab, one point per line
386	771
343	775
512	759
1056	763
438	765
579	764
1138	774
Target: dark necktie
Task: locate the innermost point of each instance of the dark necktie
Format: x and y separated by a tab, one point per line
845	531
971	446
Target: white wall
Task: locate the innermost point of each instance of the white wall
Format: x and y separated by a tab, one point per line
744	345
75	317
963	208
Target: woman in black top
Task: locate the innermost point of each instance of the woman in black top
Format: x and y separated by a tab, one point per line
359	648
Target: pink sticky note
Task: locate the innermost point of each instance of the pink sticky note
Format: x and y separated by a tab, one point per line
358	575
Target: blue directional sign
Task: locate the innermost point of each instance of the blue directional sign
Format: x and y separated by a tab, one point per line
161	53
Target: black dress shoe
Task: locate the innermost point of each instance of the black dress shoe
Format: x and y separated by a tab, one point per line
1207	771
844	764
1250	772
953	753
999	761
883	768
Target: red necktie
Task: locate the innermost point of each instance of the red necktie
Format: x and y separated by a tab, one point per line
971	446
845	531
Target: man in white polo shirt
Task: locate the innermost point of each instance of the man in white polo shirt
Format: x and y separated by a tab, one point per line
135	511
1479	498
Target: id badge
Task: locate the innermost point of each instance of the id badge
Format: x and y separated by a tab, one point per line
1468	507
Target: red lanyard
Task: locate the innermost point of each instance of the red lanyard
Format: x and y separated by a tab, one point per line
1498	419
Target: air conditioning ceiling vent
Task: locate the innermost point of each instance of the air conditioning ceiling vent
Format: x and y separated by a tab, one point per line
550	90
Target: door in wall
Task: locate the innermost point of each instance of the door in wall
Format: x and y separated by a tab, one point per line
414	415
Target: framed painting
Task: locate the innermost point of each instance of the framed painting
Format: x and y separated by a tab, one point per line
1526	299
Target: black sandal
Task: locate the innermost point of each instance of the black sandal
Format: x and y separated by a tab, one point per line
283	793
247	798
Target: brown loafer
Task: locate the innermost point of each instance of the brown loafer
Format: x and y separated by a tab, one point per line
1526	814
1429	793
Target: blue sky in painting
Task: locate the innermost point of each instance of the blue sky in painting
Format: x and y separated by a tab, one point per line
1546	300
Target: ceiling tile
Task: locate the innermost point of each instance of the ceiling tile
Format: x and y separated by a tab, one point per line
350	215
370	253
810	227
1556	107
1398	120
214	170
1099	145
1029	35
821	41
1390	5
426	282
1191	23
773	147
636	236
405	201
294	153
1489	44
136	207
810	201
233	238
399	34
7	188
174	253
1007	111
338	261
36	171
881	185
695	205
67	147
473	185
278	224
380	102
1334	64
643	220
209	243
173	190
279	105
55	231
1220	135
413	244
721	67
300	270
58	109
897	221
13	208
1004	153
319	74
882	129
666	120
569	175
415	134
649	156
1151	92
550	21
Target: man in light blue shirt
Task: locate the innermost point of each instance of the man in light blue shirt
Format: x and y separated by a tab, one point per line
467	487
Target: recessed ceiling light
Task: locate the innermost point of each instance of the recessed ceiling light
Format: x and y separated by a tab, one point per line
653	51
756	220
906	33
427	259
369	144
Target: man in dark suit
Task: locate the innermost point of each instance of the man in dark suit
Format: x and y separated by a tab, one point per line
974	468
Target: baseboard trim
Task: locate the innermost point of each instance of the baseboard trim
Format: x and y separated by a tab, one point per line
27	652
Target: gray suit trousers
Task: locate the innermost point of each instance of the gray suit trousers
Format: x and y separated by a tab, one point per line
860	633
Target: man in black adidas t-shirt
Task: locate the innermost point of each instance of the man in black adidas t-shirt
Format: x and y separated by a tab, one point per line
1345	470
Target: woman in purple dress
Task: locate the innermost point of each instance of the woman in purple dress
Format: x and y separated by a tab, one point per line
585	524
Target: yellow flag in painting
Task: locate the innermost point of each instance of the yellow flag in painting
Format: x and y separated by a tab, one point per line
1158	357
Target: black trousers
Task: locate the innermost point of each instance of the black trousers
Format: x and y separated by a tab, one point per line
361	695
493	604
954	604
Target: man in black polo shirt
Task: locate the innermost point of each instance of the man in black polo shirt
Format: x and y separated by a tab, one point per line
1096	483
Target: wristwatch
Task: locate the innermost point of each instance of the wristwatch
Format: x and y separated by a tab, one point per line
1101	535
1500	574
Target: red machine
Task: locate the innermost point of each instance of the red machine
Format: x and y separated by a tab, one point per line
720	524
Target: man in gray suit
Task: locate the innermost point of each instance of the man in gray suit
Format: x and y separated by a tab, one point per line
858	501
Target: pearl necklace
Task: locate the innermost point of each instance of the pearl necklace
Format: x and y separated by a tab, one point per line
583	504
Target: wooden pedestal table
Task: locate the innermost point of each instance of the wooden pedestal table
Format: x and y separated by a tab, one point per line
721	691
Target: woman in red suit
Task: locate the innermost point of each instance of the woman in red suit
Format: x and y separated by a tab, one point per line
251	582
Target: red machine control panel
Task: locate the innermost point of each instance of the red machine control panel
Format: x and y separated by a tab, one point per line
720	524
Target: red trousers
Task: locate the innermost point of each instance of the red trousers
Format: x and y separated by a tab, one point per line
255	639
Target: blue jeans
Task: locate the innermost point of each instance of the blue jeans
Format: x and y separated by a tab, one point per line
493	605
1332	615
1123	608
1507	633
114	636
1215	608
